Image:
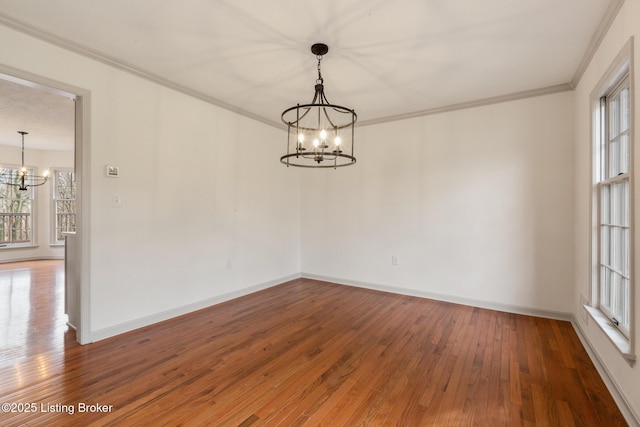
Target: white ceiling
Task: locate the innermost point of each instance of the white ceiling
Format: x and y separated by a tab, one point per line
387	59
47	117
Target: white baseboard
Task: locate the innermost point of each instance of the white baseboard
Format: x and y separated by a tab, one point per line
131	325
623	404
507	308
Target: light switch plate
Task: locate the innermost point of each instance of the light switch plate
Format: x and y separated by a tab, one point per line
116	201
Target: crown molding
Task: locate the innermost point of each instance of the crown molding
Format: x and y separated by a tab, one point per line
596	39
565	87
124	66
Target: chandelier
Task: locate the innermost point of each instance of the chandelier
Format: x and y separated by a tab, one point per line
23	179
319	134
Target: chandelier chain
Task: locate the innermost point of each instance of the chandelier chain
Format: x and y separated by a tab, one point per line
320	80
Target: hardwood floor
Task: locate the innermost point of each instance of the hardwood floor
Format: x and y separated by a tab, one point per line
302	353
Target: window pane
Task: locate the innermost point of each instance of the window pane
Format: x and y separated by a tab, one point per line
65	204
65	185
626	190
624	109
625	252
20	206
614	158
613	204
15	209
626	294
615	248
605	205
604	247
605	288
624	153
614	117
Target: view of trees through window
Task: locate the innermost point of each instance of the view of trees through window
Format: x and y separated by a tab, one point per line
15	209
64	195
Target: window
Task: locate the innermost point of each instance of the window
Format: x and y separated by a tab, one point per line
16	208
614	206
64	200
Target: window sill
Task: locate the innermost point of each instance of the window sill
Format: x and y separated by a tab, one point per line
11	246
615	336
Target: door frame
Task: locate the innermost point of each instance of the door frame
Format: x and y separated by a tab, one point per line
82	98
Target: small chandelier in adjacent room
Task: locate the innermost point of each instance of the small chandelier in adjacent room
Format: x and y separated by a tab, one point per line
319	134
23	179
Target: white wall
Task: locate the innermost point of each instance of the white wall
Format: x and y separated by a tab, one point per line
207	209
43	224
626	25
477	204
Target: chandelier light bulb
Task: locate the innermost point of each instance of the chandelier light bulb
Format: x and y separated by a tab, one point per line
301	137
323	134
337	141
316	142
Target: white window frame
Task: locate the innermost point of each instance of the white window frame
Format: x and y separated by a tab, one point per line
54	205
605	313
32	215
614	208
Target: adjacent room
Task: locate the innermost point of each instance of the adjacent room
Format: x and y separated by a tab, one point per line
461	251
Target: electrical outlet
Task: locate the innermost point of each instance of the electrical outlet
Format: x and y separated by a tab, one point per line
395	260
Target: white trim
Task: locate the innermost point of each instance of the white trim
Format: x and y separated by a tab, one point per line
618	339
36	258
596	40
141	322
34	85
618	396
507	308
621	65
472	104
82	166
11	246
121	65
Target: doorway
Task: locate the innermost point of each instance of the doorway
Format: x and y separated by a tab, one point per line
54	114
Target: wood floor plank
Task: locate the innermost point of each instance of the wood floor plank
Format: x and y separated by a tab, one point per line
302	353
